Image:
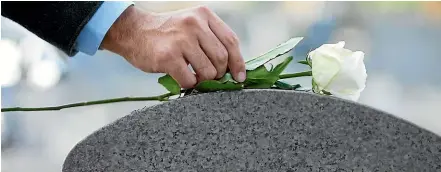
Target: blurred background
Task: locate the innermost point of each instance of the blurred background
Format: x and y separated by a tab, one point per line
402	42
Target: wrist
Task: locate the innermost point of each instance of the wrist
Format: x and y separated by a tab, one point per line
121	34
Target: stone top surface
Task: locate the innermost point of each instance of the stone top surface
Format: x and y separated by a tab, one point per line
257	130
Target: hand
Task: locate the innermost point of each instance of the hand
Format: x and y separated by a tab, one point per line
168	42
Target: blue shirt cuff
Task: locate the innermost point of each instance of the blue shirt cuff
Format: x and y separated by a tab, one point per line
90	38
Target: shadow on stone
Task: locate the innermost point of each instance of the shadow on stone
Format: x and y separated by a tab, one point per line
257	130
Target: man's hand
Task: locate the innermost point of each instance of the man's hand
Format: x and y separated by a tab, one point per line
168	42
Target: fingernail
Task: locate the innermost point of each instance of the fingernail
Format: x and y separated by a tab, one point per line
241	77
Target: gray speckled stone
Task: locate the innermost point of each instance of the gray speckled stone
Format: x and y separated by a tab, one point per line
257	130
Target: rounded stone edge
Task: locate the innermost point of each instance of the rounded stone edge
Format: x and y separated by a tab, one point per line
135	112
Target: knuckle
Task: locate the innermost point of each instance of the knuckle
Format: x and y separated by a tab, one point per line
190	20
163	53
207	72
232	40
221	63
162	59
222	57
203	9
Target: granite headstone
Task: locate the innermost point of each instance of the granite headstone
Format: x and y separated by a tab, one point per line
257	130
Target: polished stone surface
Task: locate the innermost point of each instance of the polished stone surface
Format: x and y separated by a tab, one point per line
257	130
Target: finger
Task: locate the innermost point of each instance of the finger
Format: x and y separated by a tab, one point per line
200	63
214	49
179	71
229	39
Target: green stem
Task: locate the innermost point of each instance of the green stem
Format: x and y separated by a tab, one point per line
162	97
294	75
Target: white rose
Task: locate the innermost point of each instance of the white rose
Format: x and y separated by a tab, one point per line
338	71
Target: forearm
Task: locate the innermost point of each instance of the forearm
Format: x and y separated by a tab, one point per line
120	31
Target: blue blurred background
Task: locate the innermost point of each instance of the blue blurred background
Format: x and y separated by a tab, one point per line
402	42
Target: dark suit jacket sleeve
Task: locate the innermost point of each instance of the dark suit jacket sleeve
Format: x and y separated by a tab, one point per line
57	22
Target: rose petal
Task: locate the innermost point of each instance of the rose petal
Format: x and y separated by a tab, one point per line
338	70
340	44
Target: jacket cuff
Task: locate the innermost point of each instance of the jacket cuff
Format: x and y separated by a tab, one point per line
93	33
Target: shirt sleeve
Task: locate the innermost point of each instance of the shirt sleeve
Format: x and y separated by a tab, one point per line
90	38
